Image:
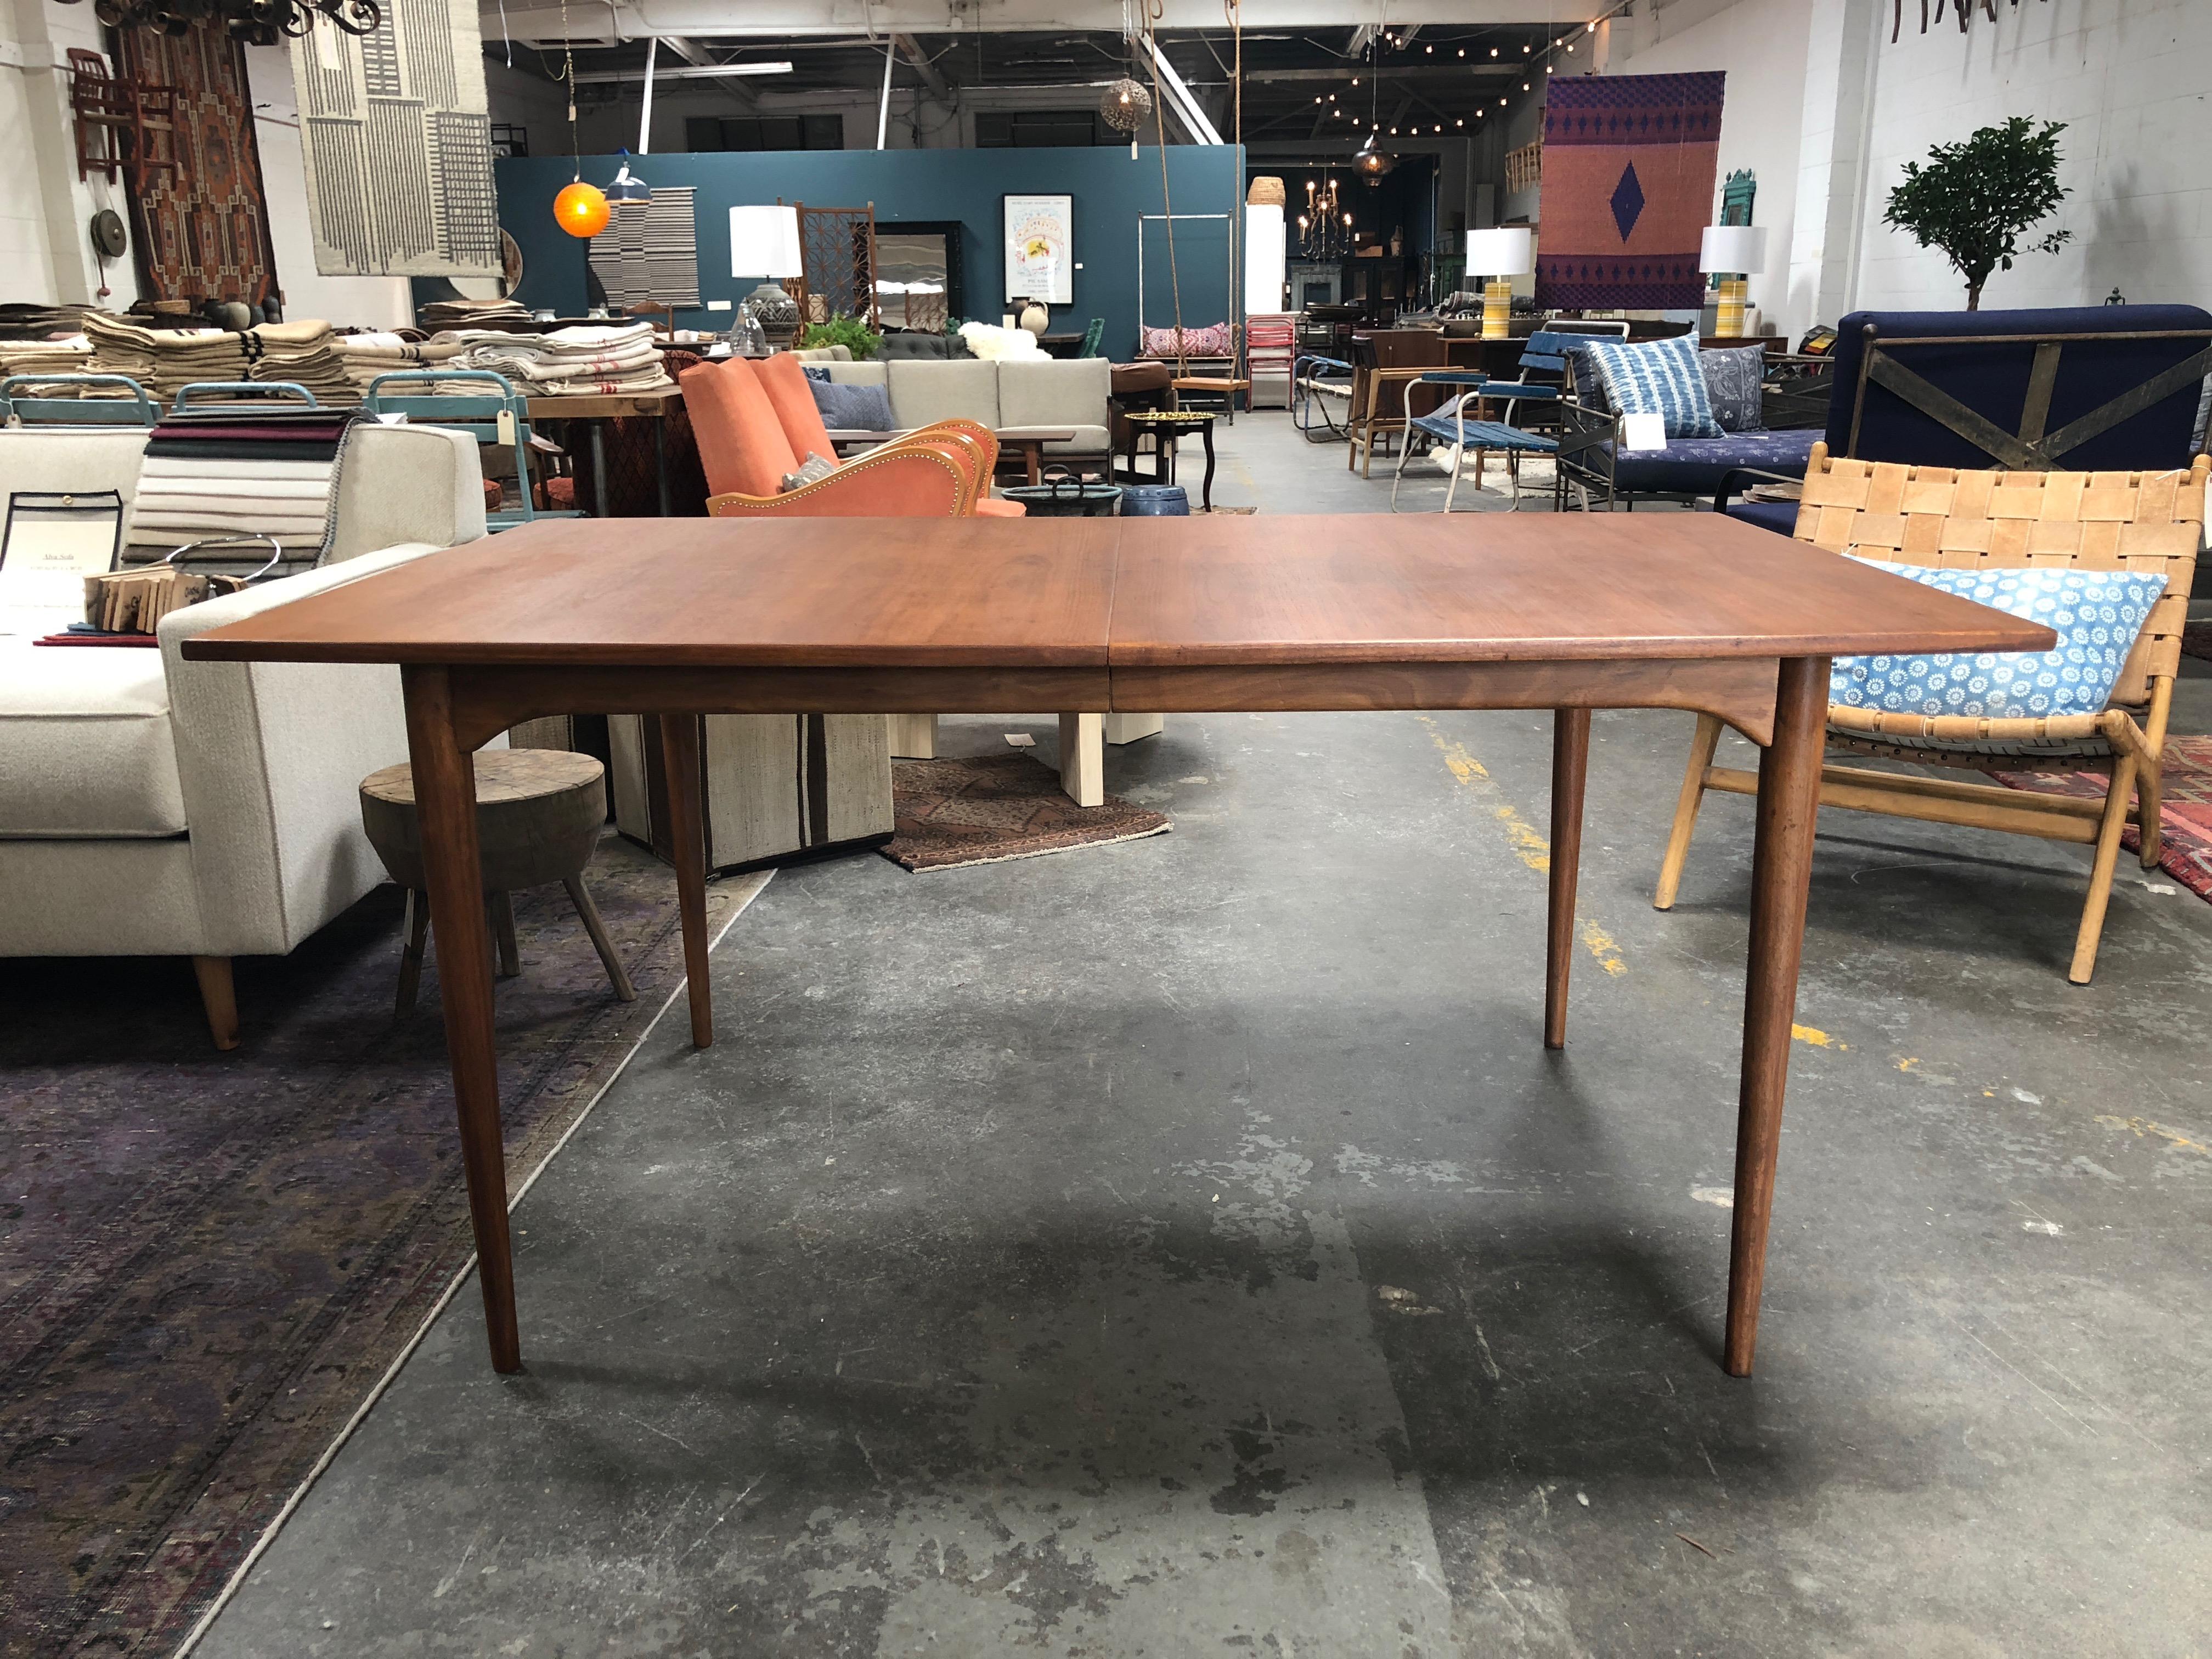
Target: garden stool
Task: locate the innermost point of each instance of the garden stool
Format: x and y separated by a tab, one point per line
540	812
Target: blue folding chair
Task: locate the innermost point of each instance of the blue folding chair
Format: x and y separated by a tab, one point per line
1315	382
139	409
499	415
1450	426
265	392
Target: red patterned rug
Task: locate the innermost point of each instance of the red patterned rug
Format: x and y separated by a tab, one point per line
2185	841
955	812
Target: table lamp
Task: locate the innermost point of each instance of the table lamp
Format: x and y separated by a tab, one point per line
1732	252
764	243
1499	254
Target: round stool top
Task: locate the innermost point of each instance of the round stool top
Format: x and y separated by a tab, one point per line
502	775
1172	416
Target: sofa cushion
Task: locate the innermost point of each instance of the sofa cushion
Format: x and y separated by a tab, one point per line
922	391
85	744
73	462
857	374
1734	375
1055	393
1657	377
1694	466
852	408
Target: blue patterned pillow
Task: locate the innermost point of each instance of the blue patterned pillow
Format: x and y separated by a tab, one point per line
1733	386
2095	613
1657	376
851	407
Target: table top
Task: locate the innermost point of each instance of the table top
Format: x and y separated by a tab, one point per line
1078	592
601	406
1171	417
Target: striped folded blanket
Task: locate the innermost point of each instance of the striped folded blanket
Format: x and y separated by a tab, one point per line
614	359
221	471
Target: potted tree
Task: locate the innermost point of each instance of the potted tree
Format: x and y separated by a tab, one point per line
1973	201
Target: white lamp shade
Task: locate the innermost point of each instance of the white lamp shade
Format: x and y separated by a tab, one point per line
1508	251
1733	248
1264	249
765	242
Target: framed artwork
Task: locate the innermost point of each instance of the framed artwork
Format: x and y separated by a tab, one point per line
1040	233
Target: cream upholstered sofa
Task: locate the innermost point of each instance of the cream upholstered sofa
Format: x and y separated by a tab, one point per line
152	806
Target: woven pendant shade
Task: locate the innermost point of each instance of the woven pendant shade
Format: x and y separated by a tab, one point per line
1266	192
1125	105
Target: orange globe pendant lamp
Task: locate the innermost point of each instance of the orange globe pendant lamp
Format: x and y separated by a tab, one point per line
581	209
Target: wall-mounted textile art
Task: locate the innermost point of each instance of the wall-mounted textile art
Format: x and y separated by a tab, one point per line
649	251
1628	190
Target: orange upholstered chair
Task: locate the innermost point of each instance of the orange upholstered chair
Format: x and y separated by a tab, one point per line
757	421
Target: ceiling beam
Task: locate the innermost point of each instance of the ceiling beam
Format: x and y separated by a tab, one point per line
1409	72
911	50
699	56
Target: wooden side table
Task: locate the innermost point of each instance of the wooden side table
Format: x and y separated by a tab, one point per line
1166	425
540	812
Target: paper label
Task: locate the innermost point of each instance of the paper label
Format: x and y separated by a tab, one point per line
1643	432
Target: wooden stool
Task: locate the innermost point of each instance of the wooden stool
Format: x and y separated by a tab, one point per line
540	812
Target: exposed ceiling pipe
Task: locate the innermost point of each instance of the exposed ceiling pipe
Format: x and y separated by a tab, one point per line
702	72
884	109
1185	105
645	115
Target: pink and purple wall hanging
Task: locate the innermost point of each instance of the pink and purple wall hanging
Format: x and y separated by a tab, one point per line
1628	190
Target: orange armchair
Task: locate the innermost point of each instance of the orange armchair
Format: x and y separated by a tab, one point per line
757	423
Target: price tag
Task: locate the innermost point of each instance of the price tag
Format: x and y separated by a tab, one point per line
507	427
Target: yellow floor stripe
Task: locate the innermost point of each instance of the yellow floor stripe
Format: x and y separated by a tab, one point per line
1527	843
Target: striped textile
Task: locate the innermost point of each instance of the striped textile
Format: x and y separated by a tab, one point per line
649	254
221	473
1657	377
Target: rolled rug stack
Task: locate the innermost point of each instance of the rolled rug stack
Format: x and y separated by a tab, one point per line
220	471
618	358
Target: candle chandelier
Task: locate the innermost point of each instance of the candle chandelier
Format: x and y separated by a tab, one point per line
1325	227
256	22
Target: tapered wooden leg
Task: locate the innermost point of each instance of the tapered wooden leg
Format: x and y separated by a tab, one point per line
1569	767
503	927
588	912
219	996
679	749
2150	790
1781	875
914	737
1685	811
1082	758
411	953
446	800
2100	873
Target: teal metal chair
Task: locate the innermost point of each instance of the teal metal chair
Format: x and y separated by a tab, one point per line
15	410
266	391
499	415
1093	337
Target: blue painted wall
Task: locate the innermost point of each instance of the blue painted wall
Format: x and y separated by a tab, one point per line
1110	190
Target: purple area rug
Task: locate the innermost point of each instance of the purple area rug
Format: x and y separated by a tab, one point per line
208	1261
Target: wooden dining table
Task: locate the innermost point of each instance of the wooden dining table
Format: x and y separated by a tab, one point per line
677	619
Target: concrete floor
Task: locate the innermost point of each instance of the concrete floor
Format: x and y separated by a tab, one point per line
1188	1247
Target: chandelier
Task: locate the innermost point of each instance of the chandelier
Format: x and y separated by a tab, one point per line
1325	230
256	22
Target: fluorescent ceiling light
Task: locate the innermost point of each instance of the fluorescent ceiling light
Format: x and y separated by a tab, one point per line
695	72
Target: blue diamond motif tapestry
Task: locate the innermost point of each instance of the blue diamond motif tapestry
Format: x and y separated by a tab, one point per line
1627	201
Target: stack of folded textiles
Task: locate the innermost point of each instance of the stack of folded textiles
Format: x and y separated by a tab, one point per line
219	471
504	315
70	355
19	321
367	356
305	352
164	360
621	357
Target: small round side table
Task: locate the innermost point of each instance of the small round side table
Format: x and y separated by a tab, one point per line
1166	425
540	812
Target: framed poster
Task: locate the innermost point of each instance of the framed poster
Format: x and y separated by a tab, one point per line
51	542
1040	248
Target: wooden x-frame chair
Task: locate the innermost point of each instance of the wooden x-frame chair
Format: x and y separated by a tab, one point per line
1937	516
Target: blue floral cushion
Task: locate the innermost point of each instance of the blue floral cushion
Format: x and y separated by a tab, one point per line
1733	381
1657	376
2095	613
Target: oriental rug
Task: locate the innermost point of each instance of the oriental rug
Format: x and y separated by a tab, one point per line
2185	816
209	1260
951	813
1628	190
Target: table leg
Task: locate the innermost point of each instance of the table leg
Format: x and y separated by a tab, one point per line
599	430
661	466
1133	452
1033	459
1570	767
679	754
1205	488
1781	875
446	801
1164	457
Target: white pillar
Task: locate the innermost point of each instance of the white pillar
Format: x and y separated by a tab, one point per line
1265	246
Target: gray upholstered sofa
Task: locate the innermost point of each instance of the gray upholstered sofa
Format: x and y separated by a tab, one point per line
1026	393
152	806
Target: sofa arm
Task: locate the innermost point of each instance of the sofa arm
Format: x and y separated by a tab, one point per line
270	756
407	484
